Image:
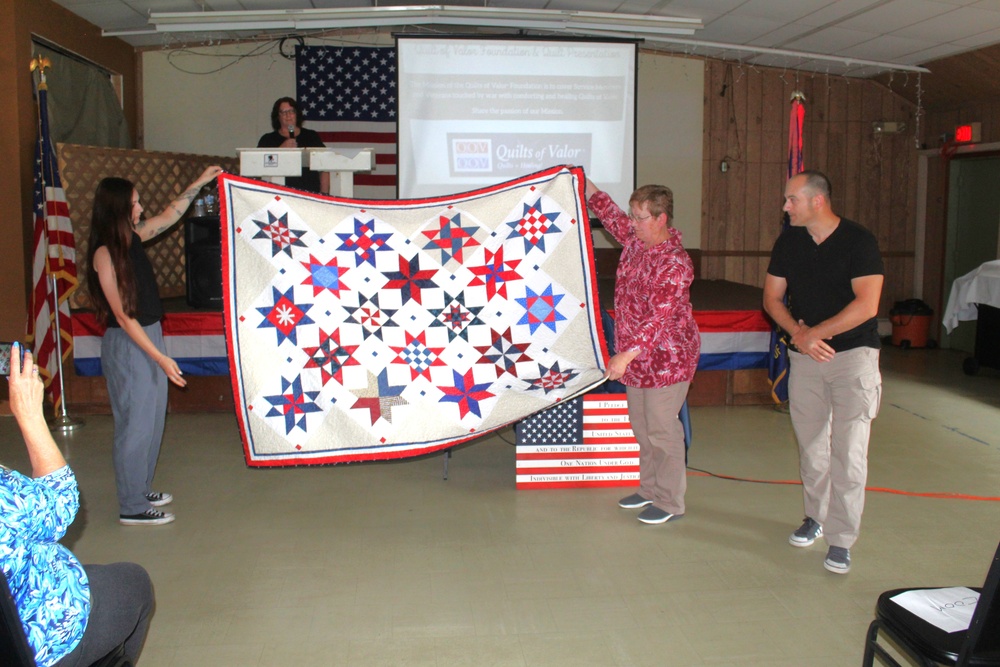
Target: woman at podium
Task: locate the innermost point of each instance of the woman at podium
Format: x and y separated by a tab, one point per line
289	133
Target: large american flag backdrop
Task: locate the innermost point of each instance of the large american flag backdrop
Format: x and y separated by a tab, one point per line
374	330
348	95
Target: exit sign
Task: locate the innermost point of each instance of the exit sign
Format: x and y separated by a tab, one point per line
969	133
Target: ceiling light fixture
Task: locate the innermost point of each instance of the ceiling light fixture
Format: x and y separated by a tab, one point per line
653	29
308	19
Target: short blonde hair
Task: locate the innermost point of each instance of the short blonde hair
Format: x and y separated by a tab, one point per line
658	199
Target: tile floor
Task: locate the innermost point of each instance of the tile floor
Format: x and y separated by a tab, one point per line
389	564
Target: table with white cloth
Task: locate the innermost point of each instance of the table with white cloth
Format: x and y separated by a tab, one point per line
976	296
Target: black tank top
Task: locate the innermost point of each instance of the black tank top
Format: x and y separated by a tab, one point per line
149	309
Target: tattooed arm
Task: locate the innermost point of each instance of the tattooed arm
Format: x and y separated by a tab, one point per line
153	227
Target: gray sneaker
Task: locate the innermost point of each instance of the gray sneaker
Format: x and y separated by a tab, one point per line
654	515
633	502
806	534
838	560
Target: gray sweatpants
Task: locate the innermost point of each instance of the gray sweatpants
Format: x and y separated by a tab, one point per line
121	603
137	388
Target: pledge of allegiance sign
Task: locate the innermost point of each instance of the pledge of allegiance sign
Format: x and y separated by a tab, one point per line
360	330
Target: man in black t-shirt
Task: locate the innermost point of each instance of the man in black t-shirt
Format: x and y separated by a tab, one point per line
831	271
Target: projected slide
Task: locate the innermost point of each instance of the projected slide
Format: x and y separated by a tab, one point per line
474	112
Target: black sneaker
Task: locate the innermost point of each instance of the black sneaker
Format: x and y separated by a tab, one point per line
147	518
159	499
838	560
806	533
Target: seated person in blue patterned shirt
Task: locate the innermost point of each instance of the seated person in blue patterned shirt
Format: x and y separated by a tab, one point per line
72	614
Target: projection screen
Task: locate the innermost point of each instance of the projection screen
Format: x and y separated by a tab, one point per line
473	112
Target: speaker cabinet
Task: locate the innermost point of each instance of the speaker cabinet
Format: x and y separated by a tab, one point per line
203	259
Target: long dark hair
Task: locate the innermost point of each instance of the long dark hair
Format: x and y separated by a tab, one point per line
276	120
111	226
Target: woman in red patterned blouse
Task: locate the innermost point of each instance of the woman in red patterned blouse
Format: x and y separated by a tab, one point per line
657	341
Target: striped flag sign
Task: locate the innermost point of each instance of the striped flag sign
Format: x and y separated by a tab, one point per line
585	442
348	95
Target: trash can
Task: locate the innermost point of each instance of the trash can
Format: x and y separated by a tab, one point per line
911	323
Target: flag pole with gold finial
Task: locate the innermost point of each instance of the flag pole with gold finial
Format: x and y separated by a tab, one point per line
62	421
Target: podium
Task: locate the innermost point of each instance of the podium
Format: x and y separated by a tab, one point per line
342	164
271	164
274	164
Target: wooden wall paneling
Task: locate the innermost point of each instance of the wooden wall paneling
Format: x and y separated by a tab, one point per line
991	121
772	188
752	222
937	175
982	113
755	112
712	264
774	122
870	185
742	208
901	214
912	182
735	181
817	120
909	145
774	159
885	144
889	289
946	122
752	203
737	175
902	150
714	236
850	195
879	221
835	166
837	97
706	219
903	173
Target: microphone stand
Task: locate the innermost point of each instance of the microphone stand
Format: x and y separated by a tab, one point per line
62	422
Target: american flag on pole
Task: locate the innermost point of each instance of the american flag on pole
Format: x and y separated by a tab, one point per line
348	95
54	256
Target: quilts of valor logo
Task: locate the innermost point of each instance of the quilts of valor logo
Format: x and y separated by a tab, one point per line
472	155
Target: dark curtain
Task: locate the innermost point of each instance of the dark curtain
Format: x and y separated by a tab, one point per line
83	105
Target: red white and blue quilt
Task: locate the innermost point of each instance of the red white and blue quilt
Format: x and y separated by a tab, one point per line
362	330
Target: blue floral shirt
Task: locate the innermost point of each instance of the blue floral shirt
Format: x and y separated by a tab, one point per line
49	584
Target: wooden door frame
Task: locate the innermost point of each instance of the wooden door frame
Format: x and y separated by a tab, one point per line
920	268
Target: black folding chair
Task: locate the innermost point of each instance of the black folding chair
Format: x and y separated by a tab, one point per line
929	645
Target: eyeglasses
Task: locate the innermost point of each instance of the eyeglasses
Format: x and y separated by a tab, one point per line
286	112
639	218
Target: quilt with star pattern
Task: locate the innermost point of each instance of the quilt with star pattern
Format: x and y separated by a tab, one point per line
364	330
